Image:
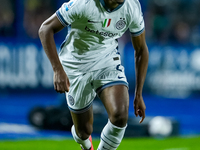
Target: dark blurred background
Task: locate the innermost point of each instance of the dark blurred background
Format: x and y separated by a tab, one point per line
172	87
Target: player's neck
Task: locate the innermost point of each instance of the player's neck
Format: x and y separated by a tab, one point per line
112	4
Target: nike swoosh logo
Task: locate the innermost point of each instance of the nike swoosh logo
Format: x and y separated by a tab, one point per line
90	21
104	148
120	77
141	22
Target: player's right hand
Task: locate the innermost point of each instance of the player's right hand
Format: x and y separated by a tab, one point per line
61	81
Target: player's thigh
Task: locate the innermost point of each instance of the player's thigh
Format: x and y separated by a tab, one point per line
83	122
116	101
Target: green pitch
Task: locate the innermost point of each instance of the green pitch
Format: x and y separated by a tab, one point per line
175	143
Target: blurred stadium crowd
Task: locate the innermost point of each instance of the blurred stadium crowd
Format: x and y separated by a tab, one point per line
34	13
174	21
167	21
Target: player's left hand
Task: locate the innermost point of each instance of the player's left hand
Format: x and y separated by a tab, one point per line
139	107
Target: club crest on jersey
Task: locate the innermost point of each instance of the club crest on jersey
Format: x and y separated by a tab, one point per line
121	24
106	23
70	100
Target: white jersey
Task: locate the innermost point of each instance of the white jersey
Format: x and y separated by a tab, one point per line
94	32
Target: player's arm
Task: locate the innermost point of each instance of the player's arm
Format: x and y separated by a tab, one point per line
141	64
46	33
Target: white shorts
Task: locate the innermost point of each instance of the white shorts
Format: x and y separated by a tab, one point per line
85	86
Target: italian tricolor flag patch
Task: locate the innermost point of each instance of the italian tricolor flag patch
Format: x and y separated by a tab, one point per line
106	22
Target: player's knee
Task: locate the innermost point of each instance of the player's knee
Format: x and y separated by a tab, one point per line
84	131
119	117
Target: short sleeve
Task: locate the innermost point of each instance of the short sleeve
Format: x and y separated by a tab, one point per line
69	12
137	26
